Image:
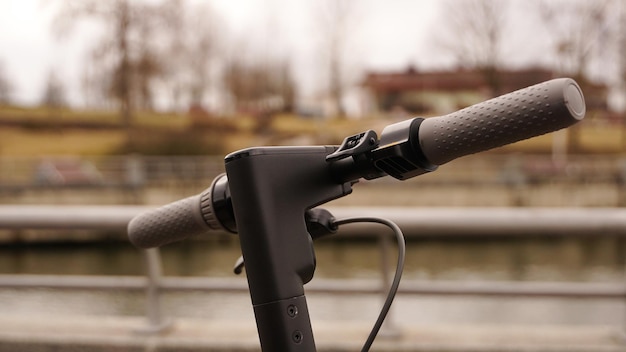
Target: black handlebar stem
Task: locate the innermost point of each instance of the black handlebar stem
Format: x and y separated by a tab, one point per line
272	188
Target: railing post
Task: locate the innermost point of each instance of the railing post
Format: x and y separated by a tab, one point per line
135	175
156	322
620	335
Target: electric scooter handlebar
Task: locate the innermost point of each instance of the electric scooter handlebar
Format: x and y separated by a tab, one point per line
274	191
528	112
405	149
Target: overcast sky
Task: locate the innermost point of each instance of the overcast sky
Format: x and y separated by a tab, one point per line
386	35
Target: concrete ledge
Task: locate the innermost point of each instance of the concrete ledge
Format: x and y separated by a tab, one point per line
98	334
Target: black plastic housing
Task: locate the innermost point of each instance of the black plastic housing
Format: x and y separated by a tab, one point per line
271	190
399	154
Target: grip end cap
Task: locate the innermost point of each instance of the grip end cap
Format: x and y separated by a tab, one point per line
574	100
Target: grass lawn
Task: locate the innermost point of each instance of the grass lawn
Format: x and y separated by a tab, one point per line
40	136
21	142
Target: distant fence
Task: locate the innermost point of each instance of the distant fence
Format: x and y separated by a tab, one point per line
136	170
129	170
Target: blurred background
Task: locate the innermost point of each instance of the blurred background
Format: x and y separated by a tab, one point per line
136	102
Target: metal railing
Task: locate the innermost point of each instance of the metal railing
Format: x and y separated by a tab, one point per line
413	221
138	170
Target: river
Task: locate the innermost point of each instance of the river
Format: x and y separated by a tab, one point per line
589	259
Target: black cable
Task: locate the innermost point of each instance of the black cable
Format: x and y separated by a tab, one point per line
393	289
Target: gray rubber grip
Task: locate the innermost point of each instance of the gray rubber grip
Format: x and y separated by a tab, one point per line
529	112
172	222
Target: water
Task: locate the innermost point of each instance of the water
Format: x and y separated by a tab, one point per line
590	259
597	259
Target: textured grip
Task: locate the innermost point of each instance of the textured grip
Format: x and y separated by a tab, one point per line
529	112
172	222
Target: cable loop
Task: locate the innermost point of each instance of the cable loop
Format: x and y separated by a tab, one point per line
393	289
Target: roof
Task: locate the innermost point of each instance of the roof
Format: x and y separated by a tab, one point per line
455	80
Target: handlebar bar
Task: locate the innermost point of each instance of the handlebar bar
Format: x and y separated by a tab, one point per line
405	149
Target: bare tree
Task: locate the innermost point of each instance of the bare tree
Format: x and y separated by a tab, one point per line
619	39
334	27
260	87
577	29
96	81
187	51
5	86
286	86
621	51
116	15
200	48
54	92
473	34
126	53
